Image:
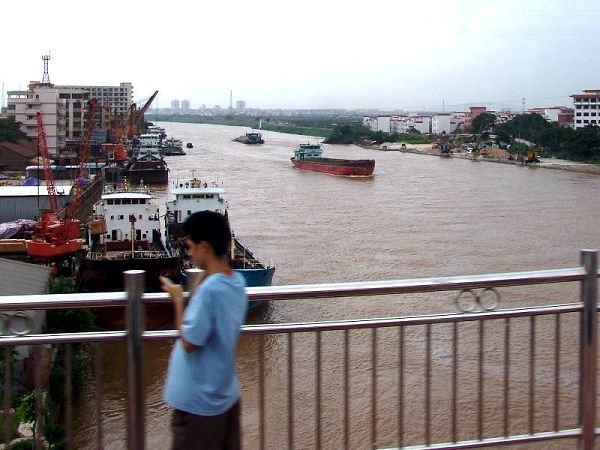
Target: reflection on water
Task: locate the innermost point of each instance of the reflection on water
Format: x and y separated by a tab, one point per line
418	216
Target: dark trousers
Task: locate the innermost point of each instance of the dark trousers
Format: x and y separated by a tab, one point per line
193	432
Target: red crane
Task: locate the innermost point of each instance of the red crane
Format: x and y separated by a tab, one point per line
129	127
53	237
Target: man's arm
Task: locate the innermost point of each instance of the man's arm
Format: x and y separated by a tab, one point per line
176	293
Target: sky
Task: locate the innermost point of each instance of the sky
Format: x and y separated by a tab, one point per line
380	54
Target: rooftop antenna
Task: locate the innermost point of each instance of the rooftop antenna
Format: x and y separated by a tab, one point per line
46	77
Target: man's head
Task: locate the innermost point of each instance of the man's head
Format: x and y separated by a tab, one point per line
208	236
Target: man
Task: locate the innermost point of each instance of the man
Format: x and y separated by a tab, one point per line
202	385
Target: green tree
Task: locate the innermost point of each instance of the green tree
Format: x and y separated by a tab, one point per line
483	123
10	130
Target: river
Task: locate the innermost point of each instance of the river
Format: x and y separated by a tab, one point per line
418	216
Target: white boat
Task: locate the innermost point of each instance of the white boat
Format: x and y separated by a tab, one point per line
196	195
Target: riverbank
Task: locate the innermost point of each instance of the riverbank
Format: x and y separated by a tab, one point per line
495	157
252	123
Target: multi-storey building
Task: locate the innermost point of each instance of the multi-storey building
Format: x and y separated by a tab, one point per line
63	109
175	106
23	106
406	124
587	108
185	105
118	97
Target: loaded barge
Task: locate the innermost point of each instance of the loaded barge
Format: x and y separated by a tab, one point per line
309	157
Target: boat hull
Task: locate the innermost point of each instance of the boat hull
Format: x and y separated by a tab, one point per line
148	176
257	278
333	166
103	275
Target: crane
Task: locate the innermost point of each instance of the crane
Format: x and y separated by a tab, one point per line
53	237
49	177
129	126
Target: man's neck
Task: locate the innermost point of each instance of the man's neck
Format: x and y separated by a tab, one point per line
217	265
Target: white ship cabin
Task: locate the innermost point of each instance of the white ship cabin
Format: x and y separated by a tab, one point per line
127	214
193	196
149	146
172	142
155	129
149	140
308	151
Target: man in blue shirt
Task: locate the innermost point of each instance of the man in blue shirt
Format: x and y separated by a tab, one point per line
202	385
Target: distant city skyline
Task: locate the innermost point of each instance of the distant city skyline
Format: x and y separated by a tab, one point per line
348	55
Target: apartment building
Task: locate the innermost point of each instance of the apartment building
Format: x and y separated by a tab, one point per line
23	107
118	97
587	108
406	124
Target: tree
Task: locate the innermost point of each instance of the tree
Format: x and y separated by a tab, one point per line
483	123
10	130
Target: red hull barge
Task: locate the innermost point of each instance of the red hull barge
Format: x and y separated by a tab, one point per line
345	167
309	157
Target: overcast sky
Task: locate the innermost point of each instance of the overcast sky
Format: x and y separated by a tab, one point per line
320	54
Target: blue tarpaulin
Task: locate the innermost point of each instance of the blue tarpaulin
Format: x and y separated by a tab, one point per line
31	181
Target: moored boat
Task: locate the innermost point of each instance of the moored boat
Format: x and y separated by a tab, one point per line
189	145
173	147
251	138
125	233
147	164
309	157
195	195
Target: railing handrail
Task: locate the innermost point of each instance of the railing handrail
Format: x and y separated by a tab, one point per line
299	327
305	291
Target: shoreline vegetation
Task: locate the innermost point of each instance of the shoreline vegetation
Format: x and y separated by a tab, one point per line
523	133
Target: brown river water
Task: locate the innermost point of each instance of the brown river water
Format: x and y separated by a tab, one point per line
418	216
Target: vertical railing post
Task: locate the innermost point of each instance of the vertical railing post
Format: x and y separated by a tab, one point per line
134	288
587	393
191	277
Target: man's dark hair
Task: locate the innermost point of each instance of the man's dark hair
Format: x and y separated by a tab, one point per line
211	227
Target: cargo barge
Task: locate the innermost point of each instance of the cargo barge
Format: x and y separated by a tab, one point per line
309	157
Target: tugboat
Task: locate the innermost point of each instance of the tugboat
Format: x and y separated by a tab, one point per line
251	138
147	164
309	157
125	234
173	147
195	195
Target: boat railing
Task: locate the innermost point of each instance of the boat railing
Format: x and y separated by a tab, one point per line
137	254
475	374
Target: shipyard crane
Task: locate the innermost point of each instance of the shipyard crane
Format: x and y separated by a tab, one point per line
53	237
129	126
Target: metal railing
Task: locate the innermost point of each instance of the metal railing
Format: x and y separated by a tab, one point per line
374	429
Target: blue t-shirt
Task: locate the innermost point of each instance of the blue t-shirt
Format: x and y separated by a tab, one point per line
204	381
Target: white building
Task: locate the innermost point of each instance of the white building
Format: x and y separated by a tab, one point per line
443	123
370	122
23	107
63	109
587	108
118	97
383	123
175	106
185	105
240	106
406	124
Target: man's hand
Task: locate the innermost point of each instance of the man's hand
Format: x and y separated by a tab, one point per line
174	290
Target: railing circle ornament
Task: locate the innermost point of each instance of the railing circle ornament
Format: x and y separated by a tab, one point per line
468	300
16	323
